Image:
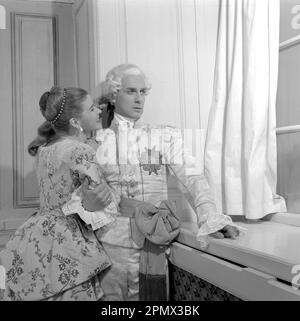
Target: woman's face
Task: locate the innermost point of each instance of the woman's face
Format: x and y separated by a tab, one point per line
91	117
130	99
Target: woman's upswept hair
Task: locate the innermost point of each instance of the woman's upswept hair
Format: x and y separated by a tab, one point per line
112	84
57	106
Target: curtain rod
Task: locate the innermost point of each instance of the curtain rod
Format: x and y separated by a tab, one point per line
288	129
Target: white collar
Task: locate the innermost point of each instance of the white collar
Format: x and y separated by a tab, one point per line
123	122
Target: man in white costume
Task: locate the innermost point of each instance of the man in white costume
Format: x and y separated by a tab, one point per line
136	161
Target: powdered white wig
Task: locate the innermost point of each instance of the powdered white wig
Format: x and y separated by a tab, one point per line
113	80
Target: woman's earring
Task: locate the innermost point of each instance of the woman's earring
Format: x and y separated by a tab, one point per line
80	130
76	126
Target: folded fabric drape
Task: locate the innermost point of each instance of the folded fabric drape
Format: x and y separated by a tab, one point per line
240	150
154	228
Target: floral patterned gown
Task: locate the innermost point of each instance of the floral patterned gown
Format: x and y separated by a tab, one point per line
53	256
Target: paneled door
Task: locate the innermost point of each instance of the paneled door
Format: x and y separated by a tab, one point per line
36	52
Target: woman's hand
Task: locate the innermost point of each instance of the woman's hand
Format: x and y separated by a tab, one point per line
228	231
95	199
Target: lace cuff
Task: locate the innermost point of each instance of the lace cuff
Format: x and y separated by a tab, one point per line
210	223
96	219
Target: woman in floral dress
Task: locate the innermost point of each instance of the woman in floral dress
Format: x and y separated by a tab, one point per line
53	256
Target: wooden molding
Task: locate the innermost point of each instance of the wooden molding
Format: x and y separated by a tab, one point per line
20	200
82	6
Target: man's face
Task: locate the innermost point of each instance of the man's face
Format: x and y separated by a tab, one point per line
131	97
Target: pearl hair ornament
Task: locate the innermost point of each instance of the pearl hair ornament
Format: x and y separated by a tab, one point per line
53	121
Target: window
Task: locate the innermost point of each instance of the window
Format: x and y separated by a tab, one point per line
288	105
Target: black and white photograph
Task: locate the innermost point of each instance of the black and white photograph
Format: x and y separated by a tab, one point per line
148	154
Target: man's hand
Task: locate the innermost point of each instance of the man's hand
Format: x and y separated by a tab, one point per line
228	231
95	199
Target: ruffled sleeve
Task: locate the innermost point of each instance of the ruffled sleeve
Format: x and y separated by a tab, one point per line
194	186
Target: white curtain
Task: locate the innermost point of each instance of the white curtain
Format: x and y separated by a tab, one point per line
240	152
